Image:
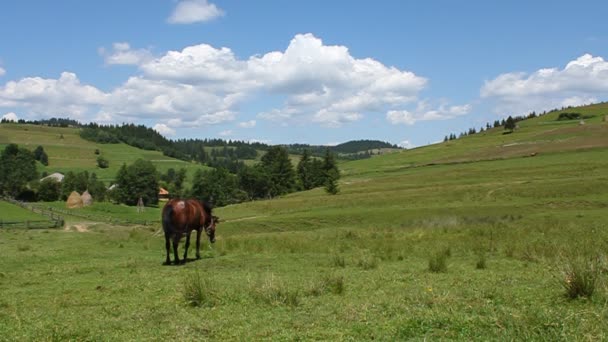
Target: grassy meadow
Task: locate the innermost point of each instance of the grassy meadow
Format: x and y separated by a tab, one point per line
67	151
432	243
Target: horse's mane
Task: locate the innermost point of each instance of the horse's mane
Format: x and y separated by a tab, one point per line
207	208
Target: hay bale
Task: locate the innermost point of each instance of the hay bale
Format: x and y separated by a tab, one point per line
87	199
74	201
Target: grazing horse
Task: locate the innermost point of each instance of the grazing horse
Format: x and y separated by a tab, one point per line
182	216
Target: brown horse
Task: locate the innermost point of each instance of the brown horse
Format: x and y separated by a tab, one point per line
180	217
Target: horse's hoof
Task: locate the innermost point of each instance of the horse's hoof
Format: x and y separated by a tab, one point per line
182	262
166	263
198	257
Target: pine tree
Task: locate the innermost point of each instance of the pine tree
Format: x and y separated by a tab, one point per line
510	124
304	171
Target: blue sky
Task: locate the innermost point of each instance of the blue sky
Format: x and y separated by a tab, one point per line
318	72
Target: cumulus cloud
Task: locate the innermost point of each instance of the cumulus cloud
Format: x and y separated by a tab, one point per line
322	81
226	133
164	129
2	72
123	54
247	124
10	116
204	85
406	144
581	81
425	112
65	95
194	11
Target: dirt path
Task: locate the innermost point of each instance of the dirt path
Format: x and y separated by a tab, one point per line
78	227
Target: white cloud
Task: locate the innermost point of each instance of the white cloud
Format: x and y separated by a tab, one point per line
63	96
123	54
164	129
194	11
2	72
406	144
203	85
10	116
321	83
226	133
247	124
424	112
581	81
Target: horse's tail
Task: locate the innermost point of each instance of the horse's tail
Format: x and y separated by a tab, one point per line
167	219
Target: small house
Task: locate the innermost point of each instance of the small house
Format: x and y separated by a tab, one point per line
163	194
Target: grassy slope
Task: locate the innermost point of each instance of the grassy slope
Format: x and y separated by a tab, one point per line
10	212
73	153
276	268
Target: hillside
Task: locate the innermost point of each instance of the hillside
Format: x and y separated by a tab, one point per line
471	239
540	135
67	151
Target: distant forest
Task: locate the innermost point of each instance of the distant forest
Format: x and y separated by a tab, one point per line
213	152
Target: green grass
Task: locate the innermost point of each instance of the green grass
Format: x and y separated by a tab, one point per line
11	212
73	153
105	210
354	266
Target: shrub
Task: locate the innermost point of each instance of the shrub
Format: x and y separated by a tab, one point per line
580	275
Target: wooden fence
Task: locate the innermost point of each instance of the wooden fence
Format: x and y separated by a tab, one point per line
54	221
56	215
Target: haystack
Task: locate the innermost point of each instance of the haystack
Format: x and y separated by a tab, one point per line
87	199
74	201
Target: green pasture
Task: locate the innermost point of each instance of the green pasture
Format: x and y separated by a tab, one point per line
10	213
103	212
446	242
67	151
354	266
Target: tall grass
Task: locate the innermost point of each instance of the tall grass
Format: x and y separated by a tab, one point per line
199	291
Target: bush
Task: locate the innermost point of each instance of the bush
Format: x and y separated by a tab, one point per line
102	162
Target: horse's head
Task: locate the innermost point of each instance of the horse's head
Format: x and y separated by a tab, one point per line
210	228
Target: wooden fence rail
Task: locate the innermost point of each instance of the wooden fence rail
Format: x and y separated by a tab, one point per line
54	221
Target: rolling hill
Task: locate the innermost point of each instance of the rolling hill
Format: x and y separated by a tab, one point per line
516	219
67	151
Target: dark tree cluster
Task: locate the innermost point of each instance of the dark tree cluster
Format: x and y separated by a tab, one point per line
41	156
173	181
17	170
138	180
81	182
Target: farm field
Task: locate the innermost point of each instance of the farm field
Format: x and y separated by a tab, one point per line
501	234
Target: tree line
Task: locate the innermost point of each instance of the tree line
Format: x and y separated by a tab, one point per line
273	176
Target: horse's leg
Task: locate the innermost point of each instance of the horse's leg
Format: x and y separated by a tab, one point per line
187	246
176	238
168	248
198	243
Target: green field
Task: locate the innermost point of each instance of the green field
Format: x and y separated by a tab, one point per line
10	212
355	266
67	151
